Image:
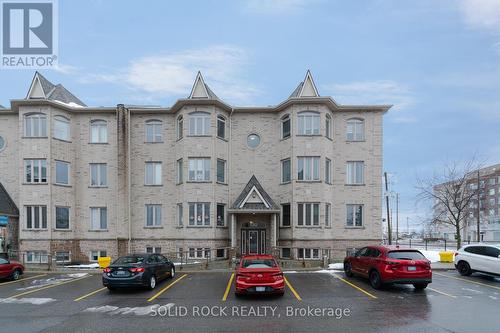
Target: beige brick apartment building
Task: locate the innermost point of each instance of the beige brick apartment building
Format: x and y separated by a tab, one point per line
302	178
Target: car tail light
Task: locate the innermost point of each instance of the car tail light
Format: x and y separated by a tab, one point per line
243	276
278	276
393	264
137	270
107	270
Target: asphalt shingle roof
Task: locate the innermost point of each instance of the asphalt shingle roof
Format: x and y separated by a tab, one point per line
7	206
251	183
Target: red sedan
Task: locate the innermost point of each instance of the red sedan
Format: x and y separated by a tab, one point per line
388	265
10	269
258	274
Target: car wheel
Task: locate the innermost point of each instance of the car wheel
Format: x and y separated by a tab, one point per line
464	268
420	286
172	272
111	288
16	274
348	269
152	282
375	280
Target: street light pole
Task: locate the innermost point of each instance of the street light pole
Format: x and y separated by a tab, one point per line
478	238
389	231
397	217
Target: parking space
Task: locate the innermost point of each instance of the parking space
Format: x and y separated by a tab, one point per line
60	301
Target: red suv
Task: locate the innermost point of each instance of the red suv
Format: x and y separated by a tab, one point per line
259	274
10	269
390	264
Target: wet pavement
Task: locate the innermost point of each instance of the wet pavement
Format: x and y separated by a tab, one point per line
205	302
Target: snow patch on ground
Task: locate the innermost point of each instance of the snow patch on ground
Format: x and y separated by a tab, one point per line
53	280
137	311
34	301
432	255
337	266
89	266
189	263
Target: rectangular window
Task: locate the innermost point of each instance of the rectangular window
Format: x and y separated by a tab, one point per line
95	254
306	253
328	127
98	131
63	257
199	253
328	171
61	128
37	257
355	173
354	216
285	215
221	215
221	171
98	175
98	218
491	191
308	123
199	214
199	169
355	130
328	209
153	249
220	253
62	217
308	168
199	123
491	181
153	173
285	127
153	131
62	173
153	215
180	215
308	214
221	127
36	171
286	171
36	217
35	125
180	127
286	253
180	175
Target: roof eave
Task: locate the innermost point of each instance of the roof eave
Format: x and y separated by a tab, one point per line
16	103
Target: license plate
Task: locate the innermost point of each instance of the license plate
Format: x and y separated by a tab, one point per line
121	273
412	268
260	288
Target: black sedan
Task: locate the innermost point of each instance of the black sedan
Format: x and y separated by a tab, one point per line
137	270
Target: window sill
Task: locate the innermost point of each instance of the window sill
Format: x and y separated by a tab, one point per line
153	185
199	136
98	143
329	138
153	227
153	142
199	181
288	137
285	226
355	184
98	230
222	226
308	181
354	227
355	141
35	183
222	183
223	139
308	226
328	183
315	135
36	230
34	137
62	140
90	186
285	183
63	230
179	183
62	185
199	226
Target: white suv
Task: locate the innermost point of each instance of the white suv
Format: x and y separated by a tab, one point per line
484	258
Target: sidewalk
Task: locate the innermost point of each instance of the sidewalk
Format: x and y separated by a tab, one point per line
442	266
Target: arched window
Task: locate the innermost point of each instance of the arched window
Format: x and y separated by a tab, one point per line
355	129
285	126
221	126
308	123
98	131
61	128
199	123
328	126
180	127
154	130
35	125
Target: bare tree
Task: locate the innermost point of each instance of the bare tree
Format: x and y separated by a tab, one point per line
450	193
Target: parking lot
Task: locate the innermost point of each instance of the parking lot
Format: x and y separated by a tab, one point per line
205	301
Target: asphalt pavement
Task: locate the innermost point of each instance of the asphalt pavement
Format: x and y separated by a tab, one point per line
205	302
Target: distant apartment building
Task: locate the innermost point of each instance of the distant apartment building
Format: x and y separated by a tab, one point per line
301	179
486	204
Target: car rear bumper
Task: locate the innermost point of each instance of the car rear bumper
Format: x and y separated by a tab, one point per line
277	287
408	280
137	280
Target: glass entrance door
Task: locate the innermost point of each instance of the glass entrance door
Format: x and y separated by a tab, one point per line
253	241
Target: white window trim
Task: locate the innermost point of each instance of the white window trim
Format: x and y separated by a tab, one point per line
42	117
203	220
311	252
39	165
221	118
204	172
290	215
99	174
180	171
62	120
69	172
289	160
102	136
155	175
224	219
40	216
154	224
314	118
41	254
224	171
354	216
304	214
99	209
284	119
157	131
205	129
328	126
328	171
352	176
195	251
69	218
328	215
153	248
180	127
314	161
180	215
358	129
99	255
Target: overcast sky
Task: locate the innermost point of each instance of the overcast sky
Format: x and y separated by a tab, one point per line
438	62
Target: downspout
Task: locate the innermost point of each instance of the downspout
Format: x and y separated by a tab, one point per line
230	179
128	182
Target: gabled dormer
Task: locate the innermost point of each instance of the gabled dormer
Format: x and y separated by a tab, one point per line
201	90
41	88
306	88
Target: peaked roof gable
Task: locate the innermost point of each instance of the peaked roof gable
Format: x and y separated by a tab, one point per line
200	89
7	205
306	88
246	200
41	88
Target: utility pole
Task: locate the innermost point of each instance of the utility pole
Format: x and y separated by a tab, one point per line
407	226
397	217
478	207
389	231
